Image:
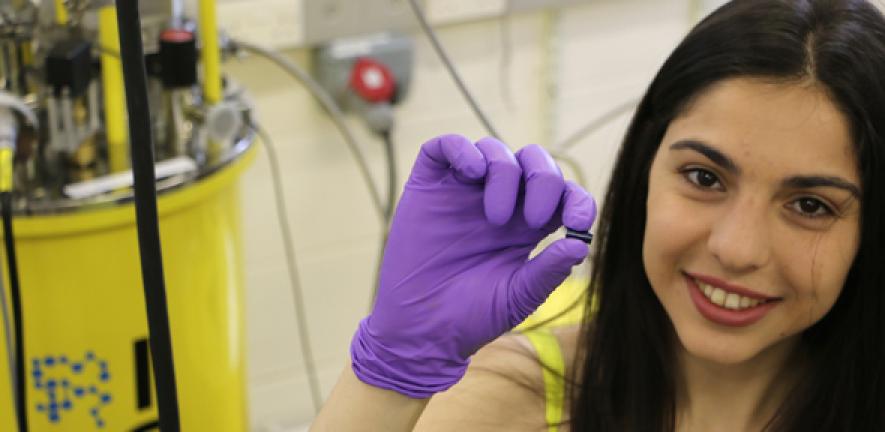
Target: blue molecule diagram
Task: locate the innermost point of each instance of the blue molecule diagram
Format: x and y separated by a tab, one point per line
69	383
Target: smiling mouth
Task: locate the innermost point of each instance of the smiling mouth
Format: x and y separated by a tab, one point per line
728	304
728	300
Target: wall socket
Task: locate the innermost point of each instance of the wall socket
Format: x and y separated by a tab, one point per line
325	20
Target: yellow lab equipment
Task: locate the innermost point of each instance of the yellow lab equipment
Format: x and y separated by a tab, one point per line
87	366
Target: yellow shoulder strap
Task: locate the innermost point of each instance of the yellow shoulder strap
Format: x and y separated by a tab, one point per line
550	354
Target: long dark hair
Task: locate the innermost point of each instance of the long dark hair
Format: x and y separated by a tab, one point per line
627	370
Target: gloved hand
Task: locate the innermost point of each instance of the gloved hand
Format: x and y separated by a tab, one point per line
456	272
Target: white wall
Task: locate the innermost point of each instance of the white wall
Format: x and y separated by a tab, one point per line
564	70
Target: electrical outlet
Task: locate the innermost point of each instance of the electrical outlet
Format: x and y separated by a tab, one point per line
325	20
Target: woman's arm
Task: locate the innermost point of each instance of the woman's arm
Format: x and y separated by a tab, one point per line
357	406
502	390
457	273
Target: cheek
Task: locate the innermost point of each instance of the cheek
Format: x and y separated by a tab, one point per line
671	234
817	269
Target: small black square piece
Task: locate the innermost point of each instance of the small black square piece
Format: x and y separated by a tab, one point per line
69	65
585	237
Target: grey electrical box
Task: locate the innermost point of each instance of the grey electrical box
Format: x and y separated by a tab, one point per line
333	62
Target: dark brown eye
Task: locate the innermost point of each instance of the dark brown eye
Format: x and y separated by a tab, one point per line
808	205
812	207
701	178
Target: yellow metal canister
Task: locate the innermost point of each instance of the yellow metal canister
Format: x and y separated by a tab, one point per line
85	326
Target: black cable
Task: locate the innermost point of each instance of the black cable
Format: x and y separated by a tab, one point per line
142	153
447	62
379	260
8	341
18	327
297	295
392	187
22	75
506	59
329	105
595	124
390	155
558	152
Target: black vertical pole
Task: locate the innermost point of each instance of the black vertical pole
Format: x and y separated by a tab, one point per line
20	394
142	152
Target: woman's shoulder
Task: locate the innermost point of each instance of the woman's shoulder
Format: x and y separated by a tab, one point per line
503	389
569	338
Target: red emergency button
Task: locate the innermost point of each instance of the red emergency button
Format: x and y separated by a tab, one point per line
372	80
175	35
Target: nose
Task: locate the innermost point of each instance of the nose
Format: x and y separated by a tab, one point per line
740	238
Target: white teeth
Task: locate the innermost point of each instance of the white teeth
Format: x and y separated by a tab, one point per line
718	296
732	301
727	300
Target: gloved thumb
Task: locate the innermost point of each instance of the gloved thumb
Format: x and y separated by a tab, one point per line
538	277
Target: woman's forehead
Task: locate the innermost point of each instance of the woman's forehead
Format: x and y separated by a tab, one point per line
775	126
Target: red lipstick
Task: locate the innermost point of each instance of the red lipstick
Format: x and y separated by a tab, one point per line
737	289
724	316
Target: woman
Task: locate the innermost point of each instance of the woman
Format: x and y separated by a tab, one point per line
738	275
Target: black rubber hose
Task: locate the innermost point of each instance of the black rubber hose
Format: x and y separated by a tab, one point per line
21	406
142	153
390	207
392	182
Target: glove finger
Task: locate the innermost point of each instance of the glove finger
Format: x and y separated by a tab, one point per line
538	277
544	185
502	181
579	208
440	155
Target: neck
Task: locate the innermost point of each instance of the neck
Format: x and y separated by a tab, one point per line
745	396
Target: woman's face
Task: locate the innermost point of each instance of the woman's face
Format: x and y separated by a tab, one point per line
753	217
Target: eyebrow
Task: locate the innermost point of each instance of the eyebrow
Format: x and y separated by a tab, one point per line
807	182
714	155
796	182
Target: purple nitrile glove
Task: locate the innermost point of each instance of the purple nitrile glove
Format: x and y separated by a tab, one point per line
456	272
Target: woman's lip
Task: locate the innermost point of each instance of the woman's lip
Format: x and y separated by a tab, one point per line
737	289
723	316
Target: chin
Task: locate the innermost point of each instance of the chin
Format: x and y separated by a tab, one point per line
719	349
